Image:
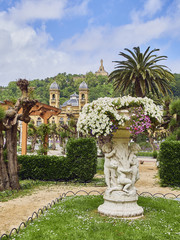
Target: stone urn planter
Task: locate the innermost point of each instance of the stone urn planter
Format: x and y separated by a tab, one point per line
107	120
121	172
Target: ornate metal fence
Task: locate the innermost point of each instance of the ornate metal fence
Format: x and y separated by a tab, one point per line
36	215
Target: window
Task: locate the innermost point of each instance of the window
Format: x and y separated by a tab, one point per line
53	97
39	122
61	121
83	97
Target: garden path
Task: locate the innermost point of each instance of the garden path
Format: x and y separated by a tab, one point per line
13	212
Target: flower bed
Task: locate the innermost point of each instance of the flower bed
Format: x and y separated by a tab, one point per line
103	116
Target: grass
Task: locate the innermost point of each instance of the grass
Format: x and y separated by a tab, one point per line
76	218
27	188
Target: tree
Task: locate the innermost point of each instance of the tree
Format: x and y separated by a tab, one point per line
43	132
175	121
33	134
8	124
140	74
53	135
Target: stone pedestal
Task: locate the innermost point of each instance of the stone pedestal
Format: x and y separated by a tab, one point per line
121	205
121	172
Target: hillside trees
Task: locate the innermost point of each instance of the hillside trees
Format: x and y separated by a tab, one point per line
68	83
176	86
98	87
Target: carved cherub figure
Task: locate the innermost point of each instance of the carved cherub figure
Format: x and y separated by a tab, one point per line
110	165
133	161
123	181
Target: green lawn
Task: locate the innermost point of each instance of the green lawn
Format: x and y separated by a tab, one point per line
76	218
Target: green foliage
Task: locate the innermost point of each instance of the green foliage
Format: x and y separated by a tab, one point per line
43	167
43	130
145	154
169	163
98	87
80	163
11	92
68	83
174	124
155	154
176	85
141	74
2	113
175	107
100	165
82	155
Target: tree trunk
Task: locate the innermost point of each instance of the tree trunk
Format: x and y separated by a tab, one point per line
33	142
11	138
138	90
54	142
4	180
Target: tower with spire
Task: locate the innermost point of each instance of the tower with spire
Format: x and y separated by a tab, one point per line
101	70
54	95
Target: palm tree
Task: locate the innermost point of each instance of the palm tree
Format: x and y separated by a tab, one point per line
140	74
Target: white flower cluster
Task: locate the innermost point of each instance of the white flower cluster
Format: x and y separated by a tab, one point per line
101	117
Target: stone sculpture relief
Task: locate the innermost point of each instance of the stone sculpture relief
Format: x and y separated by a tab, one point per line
121	168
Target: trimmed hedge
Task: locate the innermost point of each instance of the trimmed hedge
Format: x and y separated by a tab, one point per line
80	163
169	163
82	155
43	167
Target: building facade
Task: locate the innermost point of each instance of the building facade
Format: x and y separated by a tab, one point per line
70	108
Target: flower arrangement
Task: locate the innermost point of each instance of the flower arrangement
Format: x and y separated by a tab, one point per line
103	116
139	122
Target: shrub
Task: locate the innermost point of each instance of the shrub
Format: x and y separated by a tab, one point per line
155	154
79	164
82	157
169	163
43	167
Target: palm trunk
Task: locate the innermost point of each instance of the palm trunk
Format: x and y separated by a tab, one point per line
138	90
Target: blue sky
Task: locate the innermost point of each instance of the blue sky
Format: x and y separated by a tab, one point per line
41	38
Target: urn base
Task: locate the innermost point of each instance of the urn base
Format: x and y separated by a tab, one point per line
121	208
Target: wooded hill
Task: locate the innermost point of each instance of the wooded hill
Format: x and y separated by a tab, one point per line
69	83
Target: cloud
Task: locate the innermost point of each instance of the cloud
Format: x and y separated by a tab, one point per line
151	7
78	9
26	10
26	52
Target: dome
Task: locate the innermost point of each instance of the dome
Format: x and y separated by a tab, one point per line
54	86
83	85
73	101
